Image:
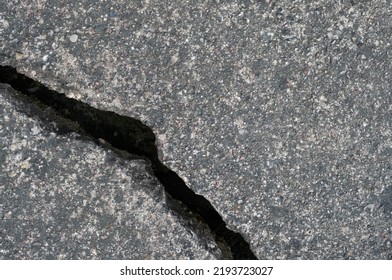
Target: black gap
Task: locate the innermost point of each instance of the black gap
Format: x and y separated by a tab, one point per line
131	135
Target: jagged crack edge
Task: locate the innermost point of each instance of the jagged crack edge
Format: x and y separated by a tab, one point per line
131	135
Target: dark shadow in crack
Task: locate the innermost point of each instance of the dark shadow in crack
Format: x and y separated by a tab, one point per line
131	135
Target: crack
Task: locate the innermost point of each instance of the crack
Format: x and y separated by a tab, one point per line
130	135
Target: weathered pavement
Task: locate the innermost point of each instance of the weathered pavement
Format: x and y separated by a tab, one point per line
63	197
279	113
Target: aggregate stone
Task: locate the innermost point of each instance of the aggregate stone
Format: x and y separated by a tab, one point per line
278	112
64	197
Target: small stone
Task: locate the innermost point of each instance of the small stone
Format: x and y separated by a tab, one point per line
175	58
19	55
73	38
5	23
242	131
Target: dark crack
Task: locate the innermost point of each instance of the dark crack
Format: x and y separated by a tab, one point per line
130	135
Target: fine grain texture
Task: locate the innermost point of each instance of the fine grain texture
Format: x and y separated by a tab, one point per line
278	112
63	197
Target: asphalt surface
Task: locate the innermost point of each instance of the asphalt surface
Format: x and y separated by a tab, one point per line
64	197
279	113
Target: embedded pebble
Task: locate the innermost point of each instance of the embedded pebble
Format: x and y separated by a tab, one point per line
73	38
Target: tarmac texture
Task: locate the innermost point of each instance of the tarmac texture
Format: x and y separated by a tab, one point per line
277	112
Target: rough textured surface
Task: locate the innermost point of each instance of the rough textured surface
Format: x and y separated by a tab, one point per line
63	197
279	112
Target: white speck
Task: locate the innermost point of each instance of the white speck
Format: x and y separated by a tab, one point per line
242	131
175	58
5	23
35	130
25	164
323	98
73	38
45	58
370	207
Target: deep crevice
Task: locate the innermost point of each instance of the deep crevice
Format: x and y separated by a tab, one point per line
131	135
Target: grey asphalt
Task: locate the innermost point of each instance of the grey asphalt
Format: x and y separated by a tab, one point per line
277	112
63	197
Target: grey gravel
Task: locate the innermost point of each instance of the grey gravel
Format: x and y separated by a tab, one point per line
63	197
278	112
